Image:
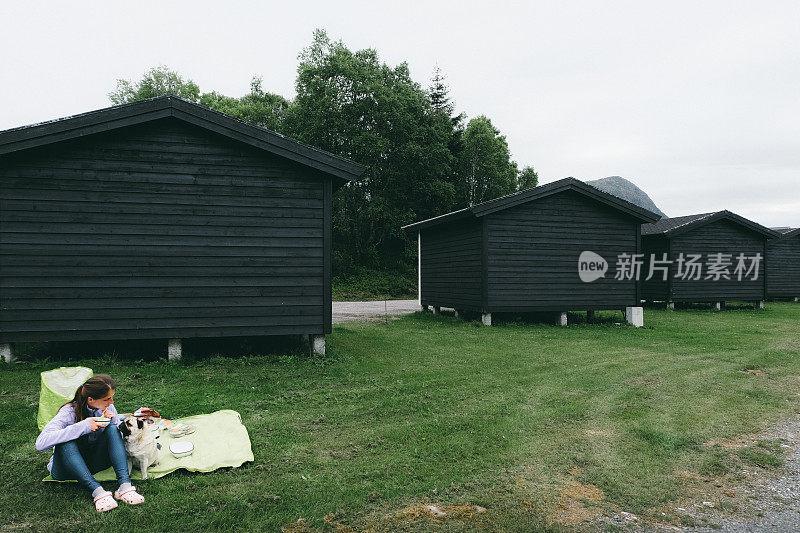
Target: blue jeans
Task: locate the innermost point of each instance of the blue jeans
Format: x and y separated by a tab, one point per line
107	450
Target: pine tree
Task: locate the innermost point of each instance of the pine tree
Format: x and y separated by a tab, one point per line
438	94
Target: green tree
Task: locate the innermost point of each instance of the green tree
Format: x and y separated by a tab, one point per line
527	178
158	81
352	104
485	165
259	107
422	161
449	125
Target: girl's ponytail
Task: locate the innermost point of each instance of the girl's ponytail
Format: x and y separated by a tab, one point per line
95	387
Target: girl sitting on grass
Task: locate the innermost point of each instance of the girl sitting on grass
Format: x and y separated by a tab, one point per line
86	444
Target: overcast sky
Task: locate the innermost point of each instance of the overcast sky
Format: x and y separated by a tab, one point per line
698	103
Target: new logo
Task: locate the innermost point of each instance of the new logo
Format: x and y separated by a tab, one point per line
591	266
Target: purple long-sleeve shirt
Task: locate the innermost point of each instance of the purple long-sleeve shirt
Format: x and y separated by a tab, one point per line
63	428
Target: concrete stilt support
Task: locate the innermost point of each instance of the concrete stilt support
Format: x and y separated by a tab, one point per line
436	309
317	344
6	353
634	316
759	304
590	315
796	299
174	350
562	319
717	306
486	319
458	313
671	305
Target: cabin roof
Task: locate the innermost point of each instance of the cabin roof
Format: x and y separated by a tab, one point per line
111	118
535	193
670	227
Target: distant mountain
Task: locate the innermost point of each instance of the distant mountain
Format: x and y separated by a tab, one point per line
626	190
783	229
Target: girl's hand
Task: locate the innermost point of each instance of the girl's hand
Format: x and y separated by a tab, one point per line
95	424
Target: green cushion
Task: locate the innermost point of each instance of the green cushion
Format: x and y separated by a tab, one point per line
58	388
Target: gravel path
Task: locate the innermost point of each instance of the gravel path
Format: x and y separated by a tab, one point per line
377	310
765	500
769	502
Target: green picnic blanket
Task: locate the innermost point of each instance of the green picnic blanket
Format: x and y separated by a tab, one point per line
220	440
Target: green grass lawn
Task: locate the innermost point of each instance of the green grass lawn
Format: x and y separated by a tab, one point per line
540	425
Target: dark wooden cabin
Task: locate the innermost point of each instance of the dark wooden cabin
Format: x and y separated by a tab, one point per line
783	265
163	219
520	253
704	236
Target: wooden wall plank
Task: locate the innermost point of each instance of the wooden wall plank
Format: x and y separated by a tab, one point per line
451	265
783	267
722	236
161	230
533	253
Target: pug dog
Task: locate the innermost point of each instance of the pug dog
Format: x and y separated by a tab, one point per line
140	444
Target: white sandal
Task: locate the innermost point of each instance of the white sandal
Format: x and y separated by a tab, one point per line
129	496
104	502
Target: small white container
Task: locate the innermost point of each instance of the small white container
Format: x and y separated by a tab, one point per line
181	448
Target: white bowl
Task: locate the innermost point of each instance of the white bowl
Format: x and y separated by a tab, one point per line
181	448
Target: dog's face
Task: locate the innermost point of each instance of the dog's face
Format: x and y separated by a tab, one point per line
140	443
131	426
